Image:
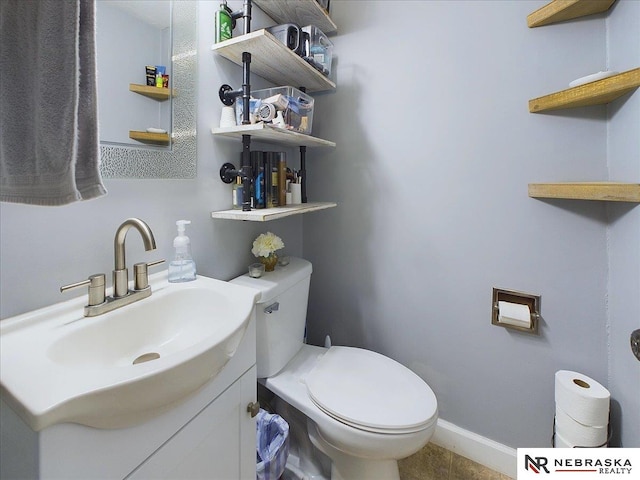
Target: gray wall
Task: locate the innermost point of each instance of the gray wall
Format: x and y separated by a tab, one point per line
435	150
42	248
623	234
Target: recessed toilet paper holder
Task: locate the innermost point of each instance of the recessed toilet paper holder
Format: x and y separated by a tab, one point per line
516	297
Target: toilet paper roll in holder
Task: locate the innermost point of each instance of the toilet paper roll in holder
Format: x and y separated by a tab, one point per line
513	296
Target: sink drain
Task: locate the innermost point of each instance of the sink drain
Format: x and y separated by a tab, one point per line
146	357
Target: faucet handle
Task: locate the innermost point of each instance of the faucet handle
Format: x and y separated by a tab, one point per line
97	286
141	274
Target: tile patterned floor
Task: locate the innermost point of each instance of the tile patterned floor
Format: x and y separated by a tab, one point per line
437	463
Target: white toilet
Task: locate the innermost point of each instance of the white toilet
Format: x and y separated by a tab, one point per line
364	410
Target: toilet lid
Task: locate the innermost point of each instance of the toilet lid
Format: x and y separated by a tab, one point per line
370	391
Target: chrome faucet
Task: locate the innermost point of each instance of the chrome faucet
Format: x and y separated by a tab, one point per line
120	273
99	303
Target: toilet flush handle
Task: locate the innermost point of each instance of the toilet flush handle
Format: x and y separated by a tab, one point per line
272	308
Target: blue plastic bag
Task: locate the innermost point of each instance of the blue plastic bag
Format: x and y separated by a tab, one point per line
272	440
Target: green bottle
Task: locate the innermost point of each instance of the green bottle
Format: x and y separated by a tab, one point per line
224	23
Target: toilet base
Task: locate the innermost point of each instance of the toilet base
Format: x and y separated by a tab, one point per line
331	448
305	461
349	467
294	471
313	458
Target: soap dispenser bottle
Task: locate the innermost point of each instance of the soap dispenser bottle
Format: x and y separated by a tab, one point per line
182	268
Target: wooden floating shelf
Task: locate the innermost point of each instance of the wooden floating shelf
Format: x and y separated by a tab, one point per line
561	10
272	60
267	214
606	191
152	138
593	93
156	93
270	134
302	12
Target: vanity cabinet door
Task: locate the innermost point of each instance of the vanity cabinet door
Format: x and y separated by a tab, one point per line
218	443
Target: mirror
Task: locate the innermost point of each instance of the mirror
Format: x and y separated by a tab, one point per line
131	35
132	38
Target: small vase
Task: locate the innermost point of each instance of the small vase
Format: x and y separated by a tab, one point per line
269	262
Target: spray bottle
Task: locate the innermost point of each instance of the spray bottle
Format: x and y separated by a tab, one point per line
182	268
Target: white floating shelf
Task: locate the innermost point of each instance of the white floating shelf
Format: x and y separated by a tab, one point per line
302	12
267	133
272	60
267	214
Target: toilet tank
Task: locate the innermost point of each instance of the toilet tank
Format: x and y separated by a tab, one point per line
281	312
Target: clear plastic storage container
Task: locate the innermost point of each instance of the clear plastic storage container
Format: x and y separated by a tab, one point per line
273	105
319	51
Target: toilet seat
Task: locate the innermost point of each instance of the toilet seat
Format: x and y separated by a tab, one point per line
371	392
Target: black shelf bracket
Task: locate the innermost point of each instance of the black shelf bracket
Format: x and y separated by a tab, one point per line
303	173
247	173
245	14
228	172
303	166
228	95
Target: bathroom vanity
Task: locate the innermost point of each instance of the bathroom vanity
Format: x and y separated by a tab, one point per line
210	435
79	412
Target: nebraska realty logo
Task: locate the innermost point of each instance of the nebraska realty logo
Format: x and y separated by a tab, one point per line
582	463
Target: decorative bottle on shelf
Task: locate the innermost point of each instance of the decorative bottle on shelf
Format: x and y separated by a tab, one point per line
237	193
223	23
182	268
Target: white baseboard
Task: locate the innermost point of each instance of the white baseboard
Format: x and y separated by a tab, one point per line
484	451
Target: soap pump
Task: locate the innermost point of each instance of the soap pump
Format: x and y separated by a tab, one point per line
182	268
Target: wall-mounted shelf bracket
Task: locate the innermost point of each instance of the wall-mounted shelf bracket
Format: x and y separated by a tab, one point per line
228	95
245	14
303	173
228	172
245	168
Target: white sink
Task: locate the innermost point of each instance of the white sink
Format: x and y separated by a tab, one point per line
126	366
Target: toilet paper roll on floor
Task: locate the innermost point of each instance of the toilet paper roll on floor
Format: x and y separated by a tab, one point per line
573	433
582	398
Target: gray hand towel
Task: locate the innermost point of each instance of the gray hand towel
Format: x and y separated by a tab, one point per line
49	147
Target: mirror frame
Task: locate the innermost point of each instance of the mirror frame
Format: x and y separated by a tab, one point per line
178	161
